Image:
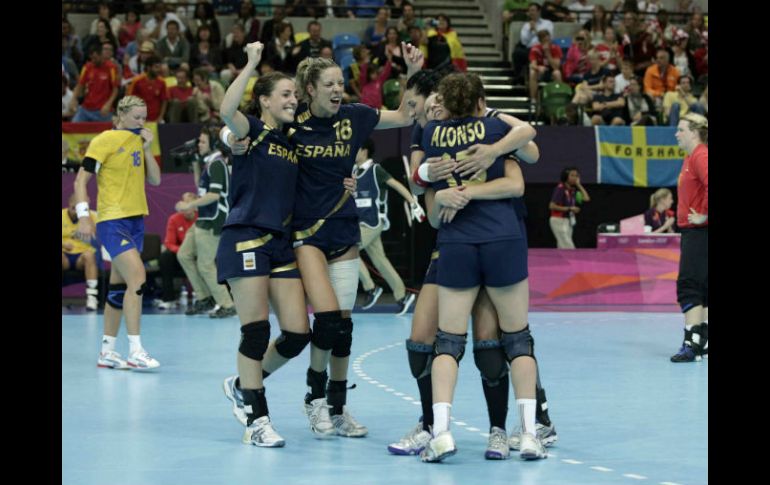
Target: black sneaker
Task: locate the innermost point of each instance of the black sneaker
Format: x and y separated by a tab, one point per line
201	306
690	350
223	312
405	303
371	297
703	329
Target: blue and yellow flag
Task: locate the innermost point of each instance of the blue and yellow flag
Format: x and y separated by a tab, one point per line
642	156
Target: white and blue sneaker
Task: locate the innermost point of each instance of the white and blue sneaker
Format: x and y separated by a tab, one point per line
261	433
111	360
440	447
412	443
233	394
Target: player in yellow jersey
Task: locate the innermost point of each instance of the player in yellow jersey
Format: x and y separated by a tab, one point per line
121	159
76	254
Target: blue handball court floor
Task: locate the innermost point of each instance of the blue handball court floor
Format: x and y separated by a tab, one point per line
623	412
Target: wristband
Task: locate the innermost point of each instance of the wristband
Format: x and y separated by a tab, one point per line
224	134
82	209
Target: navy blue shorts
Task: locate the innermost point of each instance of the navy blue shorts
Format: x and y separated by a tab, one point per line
246	251
333	237
493	264
430	274
73	259
120	235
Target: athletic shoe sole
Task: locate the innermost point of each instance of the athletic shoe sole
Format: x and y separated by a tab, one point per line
141	369
440	457
401	452
495	455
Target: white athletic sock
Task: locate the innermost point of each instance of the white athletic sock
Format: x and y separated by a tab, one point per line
108	343
134	343
688	327
441	417
91	283
527	415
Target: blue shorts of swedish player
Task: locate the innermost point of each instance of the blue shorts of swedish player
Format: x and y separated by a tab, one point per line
493	264
73	259
332	236
246	251
119	235
430	274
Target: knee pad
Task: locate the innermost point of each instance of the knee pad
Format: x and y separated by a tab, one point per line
343	276
518	344
450	344
255	337
420	358
141	289
341	347
290	344
490	360
325	328
115	294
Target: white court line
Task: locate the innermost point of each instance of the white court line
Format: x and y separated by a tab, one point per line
601	469
409	398
669	483
470	428
399	394
634	476
573	462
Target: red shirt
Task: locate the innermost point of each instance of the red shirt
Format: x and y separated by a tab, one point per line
99	82
693	186
565	196
152	91
176	228
180	93
537	54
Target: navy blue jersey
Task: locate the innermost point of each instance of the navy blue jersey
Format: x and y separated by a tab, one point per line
263	180
416	137
326	149
480	220
521	209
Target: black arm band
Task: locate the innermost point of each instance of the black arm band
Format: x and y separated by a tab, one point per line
89	164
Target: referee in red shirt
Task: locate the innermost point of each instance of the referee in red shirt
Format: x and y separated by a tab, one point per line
692	218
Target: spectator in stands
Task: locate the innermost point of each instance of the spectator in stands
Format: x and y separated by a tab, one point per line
660	77
156	26
608	106
623	6
443	30
592	82
278	52
247	18
648	7
69	68
417	38
361	56
68	165
176	228
375	33
199	248
610	51
687	6
204	16
663	32
103	34
137	65
637	44
696	31
529	38
623	80
327	52
233	57
105	13
564	207
132	48
208	96
205	53
515	10
641	108
311	47
408	20
682	59
555	11
396	8
72	47
182	107
356	8
99	80
77	254
581	10
544	63
173	49
152	89
305	8
390	50
701	60
659	216
678	103
108	54
372	78
268	30
67	107
597	25
576	64
704	100
129	28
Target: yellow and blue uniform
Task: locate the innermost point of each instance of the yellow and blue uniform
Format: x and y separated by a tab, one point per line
483	244
325	215
255	239
68	230
121	201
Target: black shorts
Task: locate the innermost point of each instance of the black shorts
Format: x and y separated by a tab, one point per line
246	251
492	264
692	285
332	236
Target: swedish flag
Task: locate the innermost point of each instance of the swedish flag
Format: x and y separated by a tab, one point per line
642	156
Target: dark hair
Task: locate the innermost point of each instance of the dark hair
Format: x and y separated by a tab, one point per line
369	147
424	82
608	75
565	173
313	22
264	87
445	17
398	36
460	93
208	11
200	72
280	27
533	4
358	51
152	60
407	2
172	22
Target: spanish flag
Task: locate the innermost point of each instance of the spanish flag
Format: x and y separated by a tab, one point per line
79	135
641	156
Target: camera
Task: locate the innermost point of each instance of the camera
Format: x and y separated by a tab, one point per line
186	149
